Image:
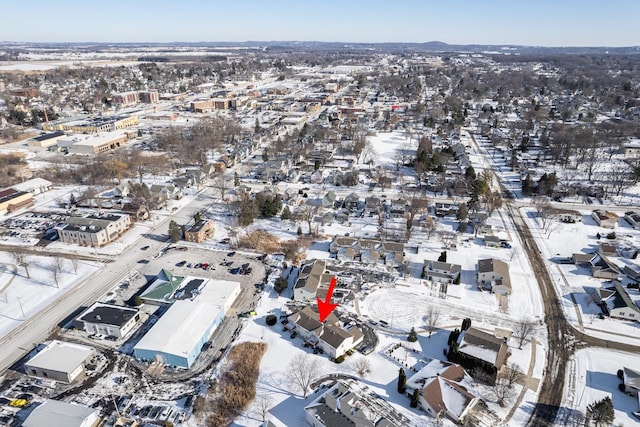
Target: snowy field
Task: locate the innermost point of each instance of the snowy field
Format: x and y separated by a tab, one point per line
22	297
593	376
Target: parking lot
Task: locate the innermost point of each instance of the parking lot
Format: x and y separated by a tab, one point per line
30	224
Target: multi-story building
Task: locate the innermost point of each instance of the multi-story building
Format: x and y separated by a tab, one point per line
93	230
200	231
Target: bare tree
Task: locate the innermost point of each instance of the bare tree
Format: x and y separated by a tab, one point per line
305	213
512	374
74	264
447	238
302	371
56	270
502	390
523	330
433	318
221	184
542	205
22	260
262	404
429	226
362	366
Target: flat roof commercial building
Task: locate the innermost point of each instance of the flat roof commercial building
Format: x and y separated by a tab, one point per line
177	338
62	414
92	144
59	361
109	320
93	230
94	125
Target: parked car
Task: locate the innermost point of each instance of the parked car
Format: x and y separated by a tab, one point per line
181	263
293	334
144	248
143	261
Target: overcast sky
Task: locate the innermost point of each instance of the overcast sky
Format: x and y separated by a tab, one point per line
524	22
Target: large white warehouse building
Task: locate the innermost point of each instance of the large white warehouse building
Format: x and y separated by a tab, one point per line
177	337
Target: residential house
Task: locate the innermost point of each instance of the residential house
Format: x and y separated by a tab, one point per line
602	268
632	271
328	200
351	403
441	272
352	202
393	254
483	346
398	208
122	190
493	275
331	335
618	303
633	218
372	205
605	219
491	241
165	192
444	390
312	275
200	231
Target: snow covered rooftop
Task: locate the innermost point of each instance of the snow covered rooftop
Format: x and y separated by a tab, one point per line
61	414
180	329
61	356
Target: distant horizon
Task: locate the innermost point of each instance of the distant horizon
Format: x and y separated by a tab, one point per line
544	23
240	42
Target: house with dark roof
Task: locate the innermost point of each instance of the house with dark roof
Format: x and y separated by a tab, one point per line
483	346
109	320
331	335
493	276
200	231
618	303
312	275
441	272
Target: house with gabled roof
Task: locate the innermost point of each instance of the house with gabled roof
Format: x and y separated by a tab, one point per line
166	191
444	390
602	268
349	403
493	275
312	275
441	272
483	346
618	303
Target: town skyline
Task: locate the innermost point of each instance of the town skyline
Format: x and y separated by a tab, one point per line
569	23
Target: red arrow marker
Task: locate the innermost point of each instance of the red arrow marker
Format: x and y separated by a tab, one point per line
325	307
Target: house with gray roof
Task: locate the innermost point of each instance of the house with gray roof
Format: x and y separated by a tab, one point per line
618	303
493	276
441	272
483	346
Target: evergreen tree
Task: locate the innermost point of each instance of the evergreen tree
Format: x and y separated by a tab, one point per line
174	231
415	398
462	213
286	213
197	217
299	232
528	186
72	200
443	256
600	413
413	336
402	381
236	179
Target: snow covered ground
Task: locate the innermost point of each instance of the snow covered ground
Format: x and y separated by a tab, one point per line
593	376
22	297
